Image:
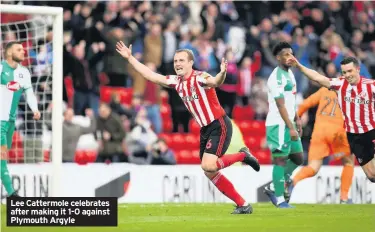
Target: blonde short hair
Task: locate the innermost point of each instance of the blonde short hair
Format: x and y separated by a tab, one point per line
189	53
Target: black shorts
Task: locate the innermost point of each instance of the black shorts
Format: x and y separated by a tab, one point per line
215	137
362	145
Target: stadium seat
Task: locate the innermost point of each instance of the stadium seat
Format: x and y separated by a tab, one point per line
46	155
187	157
258	127
243	112
9	17
17	141
244	126
177	142
16	155
126	94
166	137
164	97
192	141
103	78
254	143
68	81
12	156
91	156
165	111
194	126
263	156
80	157
167	125
27	45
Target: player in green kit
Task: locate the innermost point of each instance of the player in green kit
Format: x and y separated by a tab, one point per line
283	127
15	80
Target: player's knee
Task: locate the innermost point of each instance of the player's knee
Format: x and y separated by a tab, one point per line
210	175
297	159
280	161
369	169
371	175
209	166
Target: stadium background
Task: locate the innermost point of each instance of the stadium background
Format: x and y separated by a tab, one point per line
139	112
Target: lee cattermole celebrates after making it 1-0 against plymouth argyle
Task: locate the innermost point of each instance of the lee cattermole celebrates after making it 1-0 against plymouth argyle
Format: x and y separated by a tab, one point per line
356	96
197	91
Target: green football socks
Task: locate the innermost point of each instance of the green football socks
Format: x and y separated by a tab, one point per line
289	169
5	177
278	180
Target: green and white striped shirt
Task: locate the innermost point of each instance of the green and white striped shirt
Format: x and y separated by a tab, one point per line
281	84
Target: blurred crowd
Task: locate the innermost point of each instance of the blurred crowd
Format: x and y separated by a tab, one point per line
321	33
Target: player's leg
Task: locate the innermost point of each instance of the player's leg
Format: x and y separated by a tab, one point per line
362	146
369	169
214	143
278	140
341	149
226	187
5	177
346	177
295	159
318	149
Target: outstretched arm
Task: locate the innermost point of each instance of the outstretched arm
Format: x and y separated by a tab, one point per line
220	77
138	66
309	73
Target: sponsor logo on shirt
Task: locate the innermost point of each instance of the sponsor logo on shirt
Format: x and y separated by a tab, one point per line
363	95
357	100
190	98
13	86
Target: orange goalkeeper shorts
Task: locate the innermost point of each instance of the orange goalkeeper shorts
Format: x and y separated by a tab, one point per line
329	141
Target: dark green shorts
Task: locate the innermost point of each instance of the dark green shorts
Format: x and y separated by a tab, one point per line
7	130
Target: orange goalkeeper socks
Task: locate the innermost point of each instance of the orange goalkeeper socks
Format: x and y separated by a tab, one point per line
304	173
346	181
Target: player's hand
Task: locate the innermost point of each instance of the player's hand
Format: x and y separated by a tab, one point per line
89	113
293	62
223	65
293	134
299	126
36	115
123	50
106	135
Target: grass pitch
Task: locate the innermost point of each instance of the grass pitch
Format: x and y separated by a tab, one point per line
217	217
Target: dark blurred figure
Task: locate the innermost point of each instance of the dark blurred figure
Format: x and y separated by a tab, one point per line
110	135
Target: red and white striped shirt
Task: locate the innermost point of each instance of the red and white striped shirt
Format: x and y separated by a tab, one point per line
198	98
357	103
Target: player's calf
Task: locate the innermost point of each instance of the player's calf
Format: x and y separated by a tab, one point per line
369	169
226	187
297	158
5	177
277	195
209	163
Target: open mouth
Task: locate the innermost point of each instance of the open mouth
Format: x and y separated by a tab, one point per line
178	69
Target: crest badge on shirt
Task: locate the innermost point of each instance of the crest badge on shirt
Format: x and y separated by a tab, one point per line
363	95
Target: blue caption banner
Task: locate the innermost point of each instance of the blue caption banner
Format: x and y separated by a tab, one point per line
62	211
